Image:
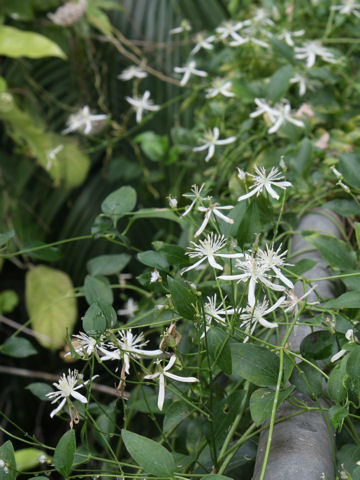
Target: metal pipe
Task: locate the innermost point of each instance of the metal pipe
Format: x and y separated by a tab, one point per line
302	447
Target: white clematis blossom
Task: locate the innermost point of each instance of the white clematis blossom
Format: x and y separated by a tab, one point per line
254	315
196	196
266	181
253	271
213	209
128	346
211	139
67	387
271	259
188	70
134	71
208	249
277	114
348	7
230	29
288	36
141	104
84	121
350	337
203	42
220	87
311	50
164	372
213	312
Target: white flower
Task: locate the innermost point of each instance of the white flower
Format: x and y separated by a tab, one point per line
214	209
211	139
303	83
68	14
155	276
282	113
349	335
183	27
134	71
311	50
67	387
130	308
241	173
347	8
255	314
220	87
254	271
261	17
288	36
202	42
196	197
84	121
249	35
4	466
164	372
188	70
208	249
84	345
142	103
128	346
51	155
230	29
215	312
263	108
291	304
264	181
272	260
173	203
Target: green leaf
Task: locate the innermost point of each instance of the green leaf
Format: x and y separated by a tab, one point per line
108	264
164	213
352	364
337	415
349	167
302	266
8	456
17	43
17	347
154	146
335	251
176	413
49	254
346	300
51	305
254	363
319	345
224	413
347	208
303	158
28	458
279	83
357	233
347	456
307	380
219	348
148	454
184	299
256	219
261	403
97	289
153	259
98	317
236	214
337	385
65	452
40	390
283	49
119	203
8	301
5	237
215	476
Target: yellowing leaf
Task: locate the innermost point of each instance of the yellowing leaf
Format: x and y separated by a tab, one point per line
29	458
16	43
51	305
61	157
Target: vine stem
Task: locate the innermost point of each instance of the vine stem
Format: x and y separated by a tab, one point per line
273	417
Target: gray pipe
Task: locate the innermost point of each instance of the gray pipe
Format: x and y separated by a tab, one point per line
301	447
